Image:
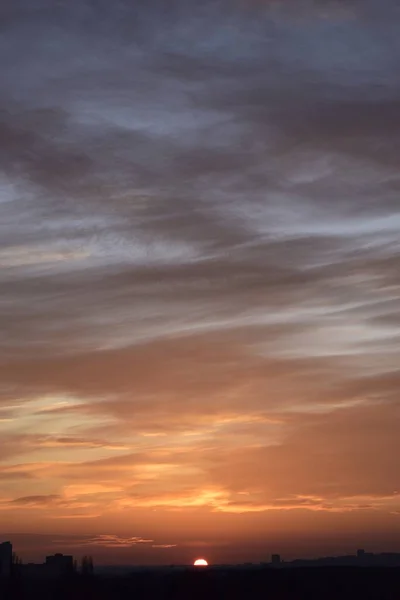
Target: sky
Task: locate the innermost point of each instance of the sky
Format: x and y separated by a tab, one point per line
200	278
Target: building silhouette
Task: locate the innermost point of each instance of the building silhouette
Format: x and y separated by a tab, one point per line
276	560
59	564
6	553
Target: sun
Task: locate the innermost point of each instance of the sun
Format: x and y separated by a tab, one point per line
200	562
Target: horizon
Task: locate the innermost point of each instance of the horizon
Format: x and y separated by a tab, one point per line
367	554
37	550
200	277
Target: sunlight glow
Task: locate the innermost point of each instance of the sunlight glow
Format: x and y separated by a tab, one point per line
200	562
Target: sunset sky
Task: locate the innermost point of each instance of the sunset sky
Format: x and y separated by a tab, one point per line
200	278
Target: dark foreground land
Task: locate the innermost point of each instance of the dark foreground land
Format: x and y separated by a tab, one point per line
344	583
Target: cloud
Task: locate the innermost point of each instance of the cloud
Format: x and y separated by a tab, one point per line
112	541
199	263
36	500
356	446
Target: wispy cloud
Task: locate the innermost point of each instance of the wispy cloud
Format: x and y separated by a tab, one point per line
112	541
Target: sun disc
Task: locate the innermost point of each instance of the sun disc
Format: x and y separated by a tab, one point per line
200	562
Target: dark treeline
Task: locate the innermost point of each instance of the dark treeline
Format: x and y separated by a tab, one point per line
294	584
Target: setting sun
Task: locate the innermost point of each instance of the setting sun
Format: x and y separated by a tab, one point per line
200	562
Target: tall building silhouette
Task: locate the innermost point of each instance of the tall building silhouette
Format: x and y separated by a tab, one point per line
275	560
5	559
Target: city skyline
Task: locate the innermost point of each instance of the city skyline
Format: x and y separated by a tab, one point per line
199	278
64	564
